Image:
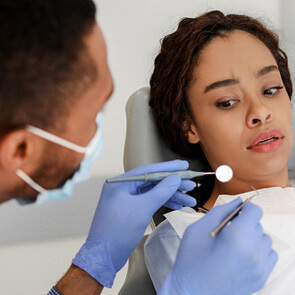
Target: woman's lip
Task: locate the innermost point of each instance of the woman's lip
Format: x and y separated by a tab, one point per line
265	135
267	147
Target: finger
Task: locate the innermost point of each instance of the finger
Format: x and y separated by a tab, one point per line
259	229
262	270
270	263
217	214
266	243
273	259
145	187
252	230
263	247
214	217
187	185
183	199
163	191
249	215
172	205
169	166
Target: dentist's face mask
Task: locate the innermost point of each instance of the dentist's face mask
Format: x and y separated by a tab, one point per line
65	191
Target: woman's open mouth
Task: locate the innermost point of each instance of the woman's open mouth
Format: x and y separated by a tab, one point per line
266	141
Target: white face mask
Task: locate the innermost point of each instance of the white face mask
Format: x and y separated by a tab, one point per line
65	191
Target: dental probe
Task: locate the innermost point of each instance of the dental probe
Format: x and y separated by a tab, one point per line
231	216
187	174
223	173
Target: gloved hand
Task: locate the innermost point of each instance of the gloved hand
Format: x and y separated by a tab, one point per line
122	216
238	260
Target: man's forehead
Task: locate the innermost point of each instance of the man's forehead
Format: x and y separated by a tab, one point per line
96	45
99	91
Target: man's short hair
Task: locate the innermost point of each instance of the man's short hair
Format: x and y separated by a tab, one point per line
44	62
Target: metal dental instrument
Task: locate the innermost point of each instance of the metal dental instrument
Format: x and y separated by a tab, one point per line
187	174
223	173
232	215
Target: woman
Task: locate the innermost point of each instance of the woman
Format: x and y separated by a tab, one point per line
221	90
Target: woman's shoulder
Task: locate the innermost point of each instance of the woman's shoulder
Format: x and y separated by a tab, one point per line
162	232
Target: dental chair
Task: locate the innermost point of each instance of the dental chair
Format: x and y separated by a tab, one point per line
144	145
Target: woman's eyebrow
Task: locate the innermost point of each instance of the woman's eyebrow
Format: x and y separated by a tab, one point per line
266	70
229	82
222	83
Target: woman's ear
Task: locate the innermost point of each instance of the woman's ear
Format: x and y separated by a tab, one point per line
191	132
18	148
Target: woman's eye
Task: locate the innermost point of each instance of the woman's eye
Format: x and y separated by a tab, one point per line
227	104
272	91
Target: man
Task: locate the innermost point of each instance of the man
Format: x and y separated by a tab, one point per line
55	81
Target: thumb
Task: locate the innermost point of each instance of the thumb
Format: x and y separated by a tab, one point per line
164	190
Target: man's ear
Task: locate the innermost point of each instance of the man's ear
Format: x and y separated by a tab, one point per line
191	132
18	148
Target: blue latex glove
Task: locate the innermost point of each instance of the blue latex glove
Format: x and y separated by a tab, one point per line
238	260
122	216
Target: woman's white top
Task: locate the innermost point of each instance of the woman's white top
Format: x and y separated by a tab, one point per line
278	221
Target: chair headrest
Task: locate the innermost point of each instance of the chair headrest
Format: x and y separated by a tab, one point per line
143	143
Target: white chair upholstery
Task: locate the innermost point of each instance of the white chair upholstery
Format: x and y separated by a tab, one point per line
144	145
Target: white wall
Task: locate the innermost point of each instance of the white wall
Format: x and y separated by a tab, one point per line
287	33
133	29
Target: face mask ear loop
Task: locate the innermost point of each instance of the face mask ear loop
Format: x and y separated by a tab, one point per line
27	179
93	144
98	135
56	139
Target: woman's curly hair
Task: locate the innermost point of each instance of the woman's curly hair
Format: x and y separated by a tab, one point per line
174	65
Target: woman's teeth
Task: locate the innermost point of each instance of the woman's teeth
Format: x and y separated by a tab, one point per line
268	140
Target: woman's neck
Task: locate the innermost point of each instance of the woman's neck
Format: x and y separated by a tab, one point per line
236	186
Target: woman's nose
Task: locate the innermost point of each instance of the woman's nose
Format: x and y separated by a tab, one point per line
258	114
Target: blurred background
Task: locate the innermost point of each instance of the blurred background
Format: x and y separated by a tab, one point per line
37	244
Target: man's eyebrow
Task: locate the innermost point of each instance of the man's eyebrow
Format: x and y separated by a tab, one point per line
266	70
222	83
